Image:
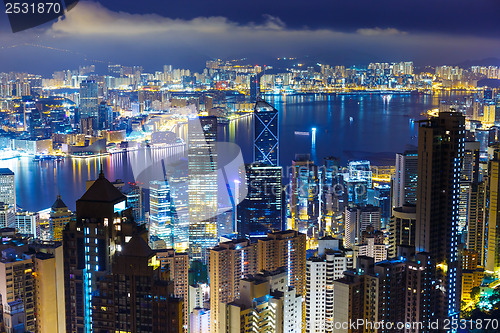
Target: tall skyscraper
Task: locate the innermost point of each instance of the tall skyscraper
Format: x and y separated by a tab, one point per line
49	277
135	200
261	211
392	291
383	201
321	271
8	187
332	195
263	306
102	227
440	155
468	179
202	168
303	205
89	102
356	220
59	217
177	267
493	236
477	220
402	228
266	134
405	179
136	295
17	283
254	86
161	212
229	263
284	249
7	216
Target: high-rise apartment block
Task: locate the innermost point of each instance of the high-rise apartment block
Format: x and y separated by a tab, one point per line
440	159
405	179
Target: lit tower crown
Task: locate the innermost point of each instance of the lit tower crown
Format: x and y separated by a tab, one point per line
266	134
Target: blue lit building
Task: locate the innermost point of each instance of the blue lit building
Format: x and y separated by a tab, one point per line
383	200
89	102
261	211
266	134
161	212
102	227
441	142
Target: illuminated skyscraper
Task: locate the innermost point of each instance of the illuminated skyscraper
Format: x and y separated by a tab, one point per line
402	228
493	235
8	187
356	220
405	179
202	168
229	263
260	212
139	288
321	271
254	86
135	199
477	219
383	201
332	195
266	134
468	182
440	155
303	202
59	217
89	103
263	306
161	212
102	227
177	266
284	249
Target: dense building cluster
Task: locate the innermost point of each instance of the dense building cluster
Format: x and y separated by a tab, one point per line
195	246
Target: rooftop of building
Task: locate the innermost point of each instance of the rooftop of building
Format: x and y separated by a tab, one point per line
58	204
103	191
234	244
137	247
263	106
6	172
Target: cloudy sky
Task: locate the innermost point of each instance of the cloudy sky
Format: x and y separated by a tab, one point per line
188	32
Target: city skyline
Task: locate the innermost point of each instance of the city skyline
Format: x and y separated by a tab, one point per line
335	33
250	167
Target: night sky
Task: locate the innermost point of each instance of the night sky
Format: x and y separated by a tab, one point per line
186	33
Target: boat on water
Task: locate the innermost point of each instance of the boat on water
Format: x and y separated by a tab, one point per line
301	133
351	119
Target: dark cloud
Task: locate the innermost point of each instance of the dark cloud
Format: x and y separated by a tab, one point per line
477	17
93	33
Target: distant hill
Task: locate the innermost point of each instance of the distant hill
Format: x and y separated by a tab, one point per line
492	83
483	62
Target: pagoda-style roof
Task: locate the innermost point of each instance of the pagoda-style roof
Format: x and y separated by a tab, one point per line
137	247
103	191
58	204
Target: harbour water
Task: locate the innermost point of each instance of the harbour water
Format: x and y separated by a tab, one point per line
361	126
